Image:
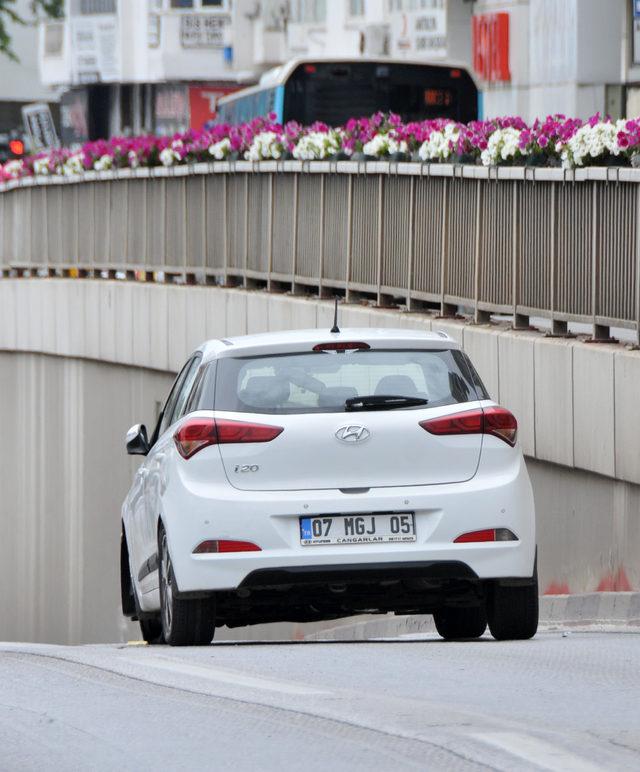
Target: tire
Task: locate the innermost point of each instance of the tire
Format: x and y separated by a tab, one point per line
151	629
127	596
185	622
513	611
459	623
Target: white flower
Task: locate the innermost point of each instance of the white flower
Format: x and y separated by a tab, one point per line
13	168
41	166
591	142
220	150
317	145
134	160
265	146
439	146
502	145
168	157
383	145
103	164
73	165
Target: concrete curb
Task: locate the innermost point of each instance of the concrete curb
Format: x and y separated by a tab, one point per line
592	608
597	608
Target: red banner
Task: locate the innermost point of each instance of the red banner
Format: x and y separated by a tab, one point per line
202	103
491	46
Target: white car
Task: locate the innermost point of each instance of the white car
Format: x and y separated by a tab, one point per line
312	475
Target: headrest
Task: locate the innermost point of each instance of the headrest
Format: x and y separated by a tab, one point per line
396	385
265	391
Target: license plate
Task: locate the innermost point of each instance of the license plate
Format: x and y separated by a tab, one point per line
383	527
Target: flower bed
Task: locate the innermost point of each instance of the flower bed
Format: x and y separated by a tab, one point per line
556	141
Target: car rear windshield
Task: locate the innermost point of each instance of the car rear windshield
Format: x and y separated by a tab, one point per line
322	382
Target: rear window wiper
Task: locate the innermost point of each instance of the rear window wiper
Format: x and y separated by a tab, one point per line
382	402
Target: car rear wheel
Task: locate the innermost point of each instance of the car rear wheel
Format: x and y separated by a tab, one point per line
185	622
513	611
458	623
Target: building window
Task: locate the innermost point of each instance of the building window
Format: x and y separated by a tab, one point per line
309	11
197	4
90	7
356	7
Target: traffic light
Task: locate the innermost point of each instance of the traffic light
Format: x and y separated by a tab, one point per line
16	147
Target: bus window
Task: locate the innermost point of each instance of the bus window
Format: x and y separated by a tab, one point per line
257	103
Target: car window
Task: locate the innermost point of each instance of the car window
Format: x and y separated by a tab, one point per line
165	419
185	390
202	393
317	382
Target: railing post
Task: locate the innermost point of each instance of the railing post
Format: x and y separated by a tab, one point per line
380	239
270	232
148	275
520	321
480	317
347	291
322	224
558	328
412	241
294	240
245	258
446	309
204	227
225	229
601	333
637	304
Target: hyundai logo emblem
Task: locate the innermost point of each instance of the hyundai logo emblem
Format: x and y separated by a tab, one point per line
353	434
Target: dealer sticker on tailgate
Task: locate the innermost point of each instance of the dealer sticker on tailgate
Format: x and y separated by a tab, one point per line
358	529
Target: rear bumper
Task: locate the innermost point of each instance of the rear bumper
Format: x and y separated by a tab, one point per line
494	498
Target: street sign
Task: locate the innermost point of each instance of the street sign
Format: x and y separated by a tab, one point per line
636	9
40	127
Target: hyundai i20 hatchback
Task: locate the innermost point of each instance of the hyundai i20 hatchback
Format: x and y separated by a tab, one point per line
312	475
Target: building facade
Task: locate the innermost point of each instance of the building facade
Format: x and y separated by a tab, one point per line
20	82
160	65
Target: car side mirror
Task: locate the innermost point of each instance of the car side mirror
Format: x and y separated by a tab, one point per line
137	441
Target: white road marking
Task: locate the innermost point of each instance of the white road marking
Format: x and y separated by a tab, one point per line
537	752
232	677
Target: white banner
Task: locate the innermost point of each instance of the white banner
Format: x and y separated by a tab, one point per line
420	34
96	50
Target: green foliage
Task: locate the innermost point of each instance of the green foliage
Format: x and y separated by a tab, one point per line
53	9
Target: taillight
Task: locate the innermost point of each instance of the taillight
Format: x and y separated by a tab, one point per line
488	534
198	433
213	546
492	420
501	423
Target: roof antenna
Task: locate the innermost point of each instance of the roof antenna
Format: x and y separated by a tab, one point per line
335	327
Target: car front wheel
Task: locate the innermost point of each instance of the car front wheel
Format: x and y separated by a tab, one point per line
185	621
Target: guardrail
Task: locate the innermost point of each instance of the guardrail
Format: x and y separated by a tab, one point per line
520	241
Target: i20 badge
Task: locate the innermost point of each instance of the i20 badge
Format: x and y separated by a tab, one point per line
353	433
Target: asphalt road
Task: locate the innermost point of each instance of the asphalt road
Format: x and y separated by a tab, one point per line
554	703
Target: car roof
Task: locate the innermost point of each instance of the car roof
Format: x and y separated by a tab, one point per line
293	341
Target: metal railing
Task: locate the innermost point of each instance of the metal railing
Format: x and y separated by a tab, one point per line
523	242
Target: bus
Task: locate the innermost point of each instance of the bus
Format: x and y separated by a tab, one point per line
334	90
